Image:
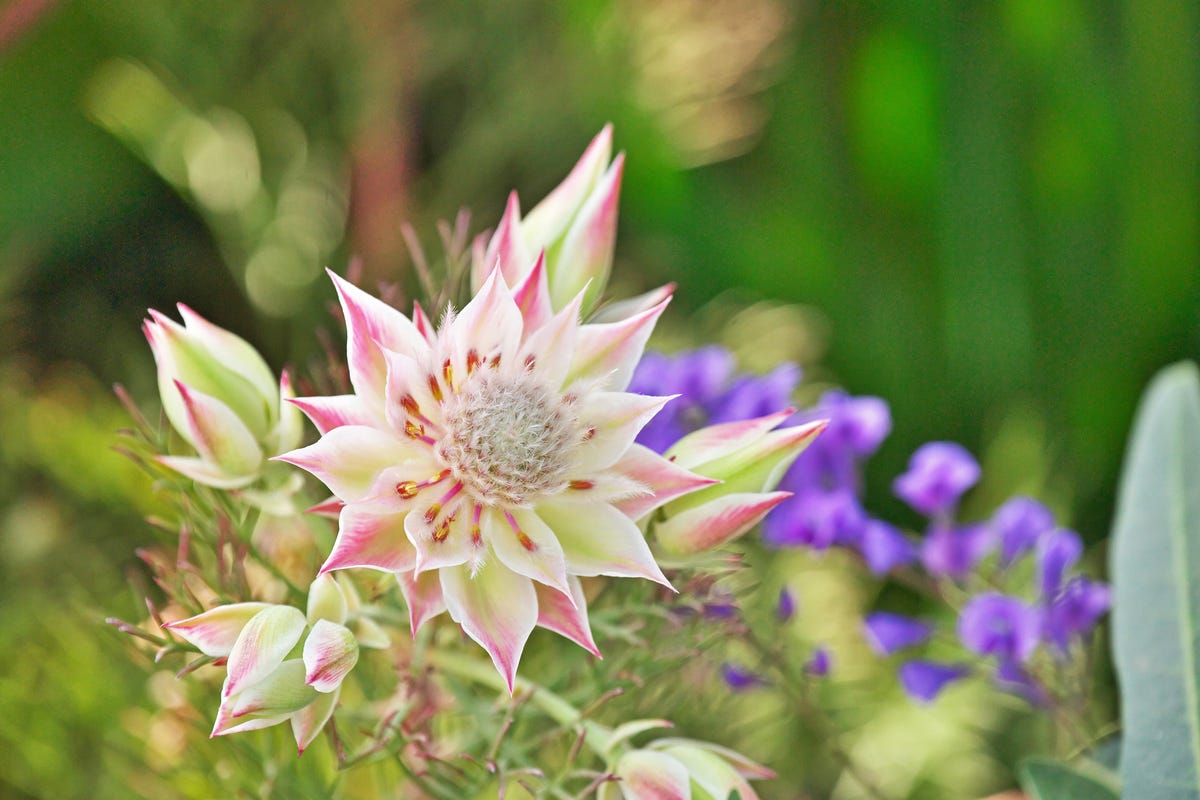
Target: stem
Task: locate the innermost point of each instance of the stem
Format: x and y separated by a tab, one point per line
551	704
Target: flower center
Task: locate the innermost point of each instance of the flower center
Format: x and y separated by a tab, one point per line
508	438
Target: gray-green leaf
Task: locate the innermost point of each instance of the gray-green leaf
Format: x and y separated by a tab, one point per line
1043	779
1156	579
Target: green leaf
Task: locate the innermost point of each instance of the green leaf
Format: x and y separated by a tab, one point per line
1156	580
1043	779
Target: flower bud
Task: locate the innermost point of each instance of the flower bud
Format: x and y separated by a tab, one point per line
749	458
221	397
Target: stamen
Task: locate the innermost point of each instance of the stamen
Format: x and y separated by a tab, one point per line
522	537
443	529
432	512
473	361
450	495
448	374
476	533
494	361
410	405
435	388
588	434
530	362
581	484
409	489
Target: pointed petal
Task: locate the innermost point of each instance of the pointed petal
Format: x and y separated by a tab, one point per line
349	459
750	769
532	295
566	614
229	349
608	352
262	645
506	251
586	255
551	346
664	479
717	441
759	466
532	550
599	540
372	324
308	721
227	724
218	434
620	310
627	730
423	595
716	522
290	430
441	538
421	321
646	775
711	773
330	652
549	218
215	631
282	691
205	472
371	541
612	421
326	600
490	323
332	412
408	396
496	607
330	508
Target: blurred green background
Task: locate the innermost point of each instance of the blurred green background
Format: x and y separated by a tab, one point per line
986	213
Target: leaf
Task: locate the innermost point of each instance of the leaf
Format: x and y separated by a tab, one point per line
1044	779
1155	566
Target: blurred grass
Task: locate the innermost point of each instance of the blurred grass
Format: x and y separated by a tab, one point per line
988	212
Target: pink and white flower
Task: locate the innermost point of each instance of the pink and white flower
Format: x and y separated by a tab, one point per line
281	665
678	769
490	464
222	398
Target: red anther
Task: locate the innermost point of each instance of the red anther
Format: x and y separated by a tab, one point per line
525	541
581	484
530	362
432	512
442	530
412	430
435	388
494	361
473	360
448	374
407	489
588	434
410	405
476	536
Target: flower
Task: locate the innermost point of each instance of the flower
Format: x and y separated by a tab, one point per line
938	475
266	681
952	552
1018	524
669	769
574	227
490	463
820	661
785	607
1057	552
993	624
748	459
738	678
924	680
884	547
818	519
1076	610
888	633
222	398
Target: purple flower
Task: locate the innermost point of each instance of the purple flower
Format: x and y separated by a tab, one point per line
953	552
708	392
884	547
785	609
857	426
1076	610
938	474
1057	552
994	624
924	680
739	679
1014	679
1018	524
816	519
888	633
819	662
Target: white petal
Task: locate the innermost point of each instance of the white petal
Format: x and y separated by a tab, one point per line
599	540
533	551
496	607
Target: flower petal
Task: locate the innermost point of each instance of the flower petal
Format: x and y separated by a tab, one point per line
566	614
215	631
612	420
586	254
262	645
230	350
608	352
218	434
349	459
551	346
332	412
326	600
506	249
646	775
711	773
549	218
423	595
205	472
717	441
308	721
496	607
532	295
490	323
290	430
280	692
665	480
716	522
750	769
371	541
624	309
599	540
372	324
440	535
330	652
529	549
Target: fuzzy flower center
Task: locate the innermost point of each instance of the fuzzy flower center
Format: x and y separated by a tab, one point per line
508	439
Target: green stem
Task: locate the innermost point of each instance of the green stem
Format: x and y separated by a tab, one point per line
555	707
